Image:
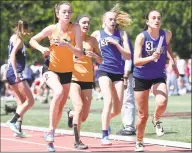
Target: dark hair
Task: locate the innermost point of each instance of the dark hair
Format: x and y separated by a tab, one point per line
147	18
57	8
81	16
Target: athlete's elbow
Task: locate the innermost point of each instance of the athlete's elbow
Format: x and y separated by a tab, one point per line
137	63
127	56
31	42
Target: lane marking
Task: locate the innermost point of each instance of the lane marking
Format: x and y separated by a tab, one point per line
112	137
41	144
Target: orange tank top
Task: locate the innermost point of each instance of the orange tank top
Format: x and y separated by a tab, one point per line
61	58
83	68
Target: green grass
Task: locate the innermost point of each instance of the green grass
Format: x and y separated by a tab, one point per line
177	128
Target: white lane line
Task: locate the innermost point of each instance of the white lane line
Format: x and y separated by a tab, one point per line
112	137
41	144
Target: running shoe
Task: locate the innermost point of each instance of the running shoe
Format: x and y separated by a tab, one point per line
13	127
158	127
106	141
51	147
49	136
21	135
80	146
139	147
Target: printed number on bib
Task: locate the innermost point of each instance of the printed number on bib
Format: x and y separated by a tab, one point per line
103	42
149	46
46	77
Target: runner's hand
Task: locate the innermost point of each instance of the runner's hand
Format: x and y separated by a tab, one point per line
125	82
111	41
45	51
17	77
91	54
155	55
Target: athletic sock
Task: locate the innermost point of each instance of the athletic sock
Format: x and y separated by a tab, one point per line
19	123
76	133
15	118
105	133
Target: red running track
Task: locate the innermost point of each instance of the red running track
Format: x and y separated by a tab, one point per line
36	143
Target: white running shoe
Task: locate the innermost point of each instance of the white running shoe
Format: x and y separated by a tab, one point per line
13	127
21	135
106	141
139	147
49	136
159	129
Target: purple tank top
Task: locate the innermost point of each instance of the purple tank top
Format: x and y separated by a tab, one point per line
113	61
152	70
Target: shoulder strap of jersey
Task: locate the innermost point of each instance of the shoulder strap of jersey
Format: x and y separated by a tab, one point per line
99	35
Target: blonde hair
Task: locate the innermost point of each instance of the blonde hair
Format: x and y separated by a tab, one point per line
123	19
57	8
21	28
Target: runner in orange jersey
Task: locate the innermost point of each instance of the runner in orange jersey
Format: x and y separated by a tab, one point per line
65	40
82	80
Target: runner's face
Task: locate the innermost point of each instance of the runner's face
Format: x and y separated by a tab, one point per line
154	20
65	13
110	20
84	24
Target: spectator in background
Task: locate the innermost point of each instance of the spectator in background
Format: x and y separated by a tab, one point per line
28	75
184	85
128	108
5	89
171	81
190	70
36	70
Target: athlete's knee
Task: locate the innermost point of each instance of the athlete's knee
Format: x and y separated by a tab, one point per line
78	110
162	102
107	104
143	118
30	102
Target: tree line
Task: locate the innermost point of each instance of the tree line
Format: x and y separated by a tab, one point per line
176	17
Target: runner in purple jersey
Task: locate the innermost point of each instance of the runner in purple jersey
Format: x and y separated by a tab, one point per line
149	72
114	47
19	86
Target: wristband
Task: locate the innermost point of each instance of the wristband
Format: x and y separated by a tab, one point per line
66	40
125	77
84	51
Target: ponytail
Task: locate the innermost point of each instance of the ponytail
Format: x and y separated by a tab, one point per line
123	19
21	28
